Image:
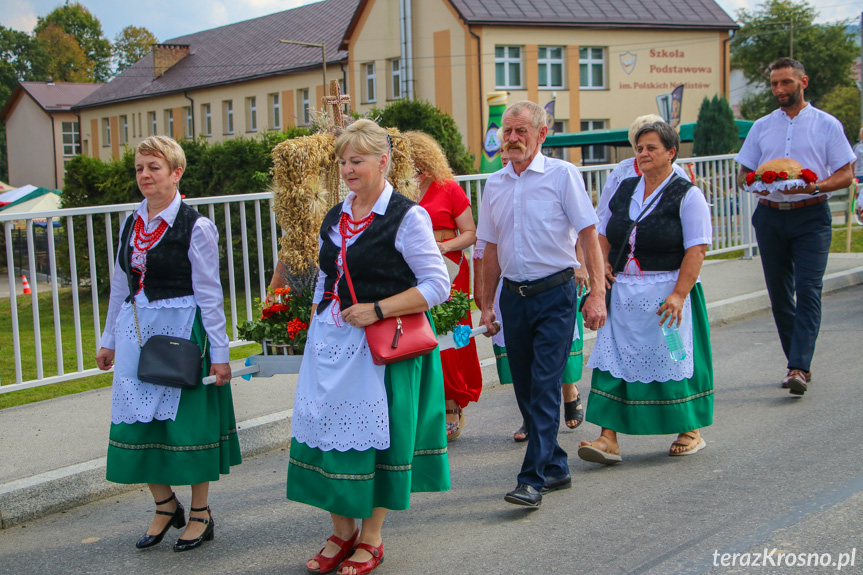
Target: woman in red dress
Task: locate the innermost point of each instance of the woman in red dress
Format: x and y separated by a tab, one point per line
455	231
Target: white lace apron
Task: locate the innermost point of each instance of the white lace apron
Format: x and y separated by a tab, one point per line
630	345
132	399
341	400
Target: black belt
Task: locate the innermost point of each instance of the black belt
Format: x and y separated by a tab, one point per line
793	205
535	287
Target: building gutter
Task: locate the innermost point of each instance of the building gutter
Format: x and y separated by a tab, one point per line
54	141
403	53
479	71
409	49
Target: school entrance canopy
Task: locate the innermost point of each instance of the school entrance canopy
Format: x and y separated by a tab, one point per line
621	137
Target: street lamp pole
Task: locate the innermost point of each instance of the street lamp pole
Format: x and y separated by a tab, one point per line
323	55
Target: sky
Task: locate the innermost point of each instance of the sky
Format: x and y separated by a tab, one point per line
172	18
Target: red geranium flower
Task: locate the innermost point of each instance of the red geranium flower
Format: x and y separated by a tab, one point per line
295	326
750	178
783	175
273	310
808	176
768	177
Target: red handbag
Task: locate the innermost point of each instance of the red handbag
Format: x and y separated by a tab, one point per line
395	338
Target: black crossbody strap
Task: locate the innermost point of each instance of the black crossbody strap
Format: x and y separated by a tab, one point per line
632	227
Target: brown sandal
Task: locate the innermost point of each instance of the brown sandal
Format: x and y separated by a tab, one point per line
605	453
695	444
453	428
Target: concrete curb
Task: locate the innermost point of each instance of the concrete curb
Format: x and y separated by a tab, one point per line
61	489
34	497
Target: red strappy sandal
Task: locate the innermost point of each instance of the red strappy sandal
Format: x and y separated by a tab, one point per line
327	564
365	566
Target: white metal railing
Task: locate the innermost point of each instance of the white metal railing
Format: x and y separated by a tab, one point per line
59	261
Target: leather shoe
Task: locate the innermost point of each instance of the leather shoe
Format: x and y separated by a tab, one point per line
556	483
524	494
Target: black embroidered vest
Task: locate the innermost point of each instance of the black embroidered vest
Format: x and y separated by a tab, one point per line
659	236
377	268
169	271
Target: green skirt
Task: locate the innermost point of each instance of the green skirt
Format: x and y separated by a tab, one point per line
659	407
352	483
198	446
574	365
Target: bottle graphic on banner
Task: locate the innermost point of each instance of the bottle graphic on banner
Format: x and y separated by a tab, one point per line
491	144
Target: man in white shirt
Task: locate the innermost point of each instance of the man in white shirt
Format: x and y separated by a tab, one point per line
793	229
531	212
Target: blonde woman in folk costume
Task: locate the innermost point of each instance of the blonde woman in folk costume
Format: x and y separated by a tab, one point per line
366	436
161	435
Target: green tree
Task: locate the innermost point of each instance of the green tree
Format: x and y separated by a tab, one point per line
827	51
418	115
132	44
76	20
843	102
715	130
66	61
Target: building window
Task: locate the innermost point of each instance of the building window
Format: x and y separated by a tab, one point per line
140	124
124	130
558	127
275	112
591	68
251	114
550	67
396	67
71	135
228	116
207	115
151	119
371	82
594	154
507	66
169	123
106	133
187	112
305	114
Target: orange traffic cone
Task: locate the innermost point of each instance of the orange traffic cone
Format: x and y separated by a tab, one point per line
26	285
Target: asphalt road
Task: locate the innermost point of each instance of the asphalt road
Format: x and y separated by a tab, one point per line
780	473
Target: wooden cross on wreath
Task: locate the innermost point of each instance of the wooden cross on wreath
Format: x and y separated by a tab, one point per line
334	103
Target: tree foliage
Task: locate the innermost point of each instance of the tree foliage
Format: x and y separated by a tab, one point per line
843	102
418	115
77	21
715	130
131	44
66	60
827	51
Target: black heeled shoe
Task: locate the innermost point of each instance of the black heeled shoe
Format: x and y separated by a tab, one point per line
178	520
207	535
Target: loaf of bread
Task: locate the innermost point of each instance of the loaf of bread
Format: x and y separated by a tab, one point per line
779	165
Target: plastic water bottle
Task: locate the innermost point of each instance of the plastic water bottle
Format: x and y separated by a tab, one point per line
673	340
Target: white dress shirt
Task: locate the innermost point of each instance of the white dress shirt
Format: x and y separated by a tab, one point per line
207	289
813	138
534	218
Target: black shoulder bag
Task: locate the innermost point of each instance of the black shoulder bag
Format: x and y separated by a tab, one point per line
620	255
165	359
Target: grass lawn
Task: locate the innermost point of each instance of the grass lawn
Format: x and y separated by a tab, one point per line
49	355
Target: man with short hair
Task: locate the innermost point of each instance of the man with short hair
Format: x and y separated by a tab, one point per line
531	213
793	228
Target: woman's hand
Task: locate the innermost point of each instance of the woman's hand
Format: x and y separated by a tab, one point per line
105	358
582	279
672	308
222	371
442	247
609	276
360	314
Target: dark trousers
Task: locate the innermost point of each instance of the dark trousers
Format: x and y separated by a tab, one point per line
538	333
794	245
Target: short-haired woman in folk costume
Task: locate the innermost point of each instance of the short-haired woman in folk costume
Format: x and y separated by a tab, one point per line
161	435
365	436
637	388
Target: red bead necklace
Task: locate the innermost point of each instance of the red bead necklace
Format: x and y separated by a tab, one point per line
349	228
145	240
637	171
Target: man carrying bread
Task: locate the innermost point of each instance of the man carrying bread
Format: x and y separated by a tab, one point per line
793	225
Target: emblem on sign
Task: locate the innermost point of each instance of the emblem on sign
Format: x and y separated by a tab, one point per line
492	144
627	62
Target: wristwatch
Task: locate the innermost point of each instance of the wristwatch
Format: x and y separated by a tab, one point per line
817	190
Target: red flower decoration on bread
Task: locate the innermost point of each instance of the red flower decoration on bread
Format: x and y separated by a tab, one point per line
782	175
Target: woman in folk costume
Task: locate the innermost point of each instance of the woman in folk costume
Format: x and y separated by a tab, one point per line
366	436
662	223
164	436
455	231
